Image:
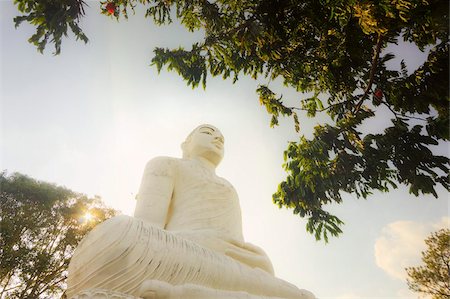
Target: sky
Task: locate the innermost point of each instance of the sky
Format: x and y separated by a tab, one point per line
90	118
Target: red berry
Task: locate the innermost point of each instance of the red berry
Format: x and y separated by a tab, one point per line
378	94
111	8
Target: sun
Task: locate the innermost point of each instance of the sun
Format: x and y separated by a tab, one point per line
88	217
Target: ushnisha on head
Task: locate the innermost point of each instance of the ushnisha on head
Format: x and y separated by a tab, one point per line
205	143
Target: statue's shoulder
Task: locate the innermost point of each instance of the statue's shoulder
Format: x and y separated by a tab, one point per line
162	165
226	183
164	160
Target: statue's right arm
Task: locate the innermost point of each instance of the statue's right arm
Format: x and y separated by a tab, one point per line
155	192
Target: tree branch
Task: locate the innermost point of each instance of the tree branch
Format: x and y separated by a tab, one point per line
6	276
321	110
396	114
53	284
12	288
373	69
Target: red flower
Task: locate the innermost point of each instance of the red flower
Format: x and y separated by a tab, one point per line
111	8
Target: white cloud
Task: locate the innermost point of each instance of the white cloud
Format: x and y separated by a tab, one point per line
401	243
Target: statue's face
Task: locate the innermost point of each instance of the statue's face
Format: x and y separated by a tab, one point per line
205	141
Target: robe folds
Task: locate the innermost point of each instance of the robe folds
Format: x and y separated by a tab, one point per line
122	252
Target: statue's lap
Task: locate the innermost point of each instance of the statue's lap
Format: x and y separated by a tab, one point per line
123	252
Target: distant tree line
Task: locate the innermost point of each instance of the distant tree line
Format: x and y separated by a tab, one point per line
40	227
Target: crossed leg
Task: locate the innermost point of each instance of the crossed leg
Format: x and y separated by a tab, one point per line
155	289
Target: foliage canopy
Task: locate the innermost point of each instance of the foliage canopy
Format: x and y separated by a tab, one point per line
434	277
331	52
40	226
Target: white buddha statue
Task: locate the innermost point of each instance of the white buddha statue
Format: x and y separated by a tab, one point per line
185	239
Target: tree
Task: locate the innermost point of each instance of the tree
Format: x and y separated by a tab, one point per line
433	278
40	226
331	52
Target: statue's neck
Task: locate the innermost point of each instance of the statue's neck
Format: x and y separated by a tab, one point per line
205	163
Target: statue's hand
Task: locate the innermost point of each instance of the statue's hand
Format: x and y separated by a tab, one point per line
254	248
252	256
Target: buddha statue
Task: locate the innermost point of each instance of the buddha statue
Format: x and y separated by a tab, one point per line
184	241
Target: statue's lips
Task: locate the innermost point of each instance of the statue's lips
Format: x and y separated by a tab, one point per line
218	144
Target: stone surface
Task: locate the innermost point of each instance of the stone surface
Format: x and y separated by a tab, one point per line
185	239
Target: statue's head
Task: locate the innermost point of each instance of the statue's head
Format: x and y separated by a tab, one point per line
205	141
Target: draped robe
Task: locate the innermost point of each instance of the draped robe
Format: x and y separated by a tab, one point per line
201	242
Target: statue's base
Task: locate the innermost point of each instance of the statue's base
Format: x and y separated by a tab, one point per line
154	289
